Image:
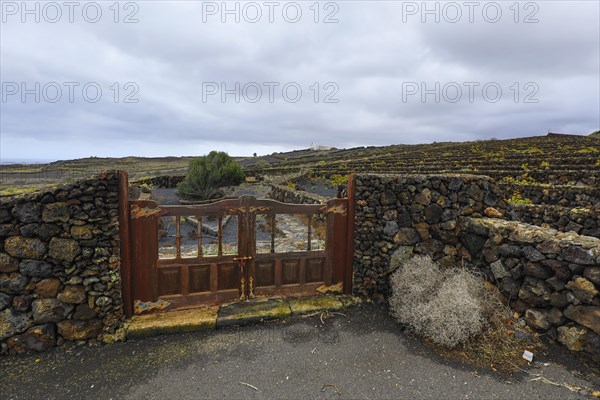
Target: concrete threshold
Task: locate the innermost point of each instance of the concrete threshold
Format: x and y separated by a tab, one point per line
238	313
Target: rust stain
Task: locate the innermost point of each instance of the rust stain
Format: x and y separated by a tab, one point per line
141	306
337	209
260	209
337	288
139	212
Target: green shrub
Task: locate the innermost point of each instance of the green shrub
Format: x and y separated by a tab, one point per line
292	185
338	179
262	165
208	173
517	198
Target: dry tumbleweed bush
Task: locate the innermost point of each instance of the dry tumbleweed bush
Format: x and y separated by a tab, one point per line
448	306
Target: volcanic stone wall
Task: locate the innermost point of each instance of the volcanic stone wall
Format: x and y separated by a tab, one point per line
163	181
556	195
553	278
60	266
584	221
406	214
585	175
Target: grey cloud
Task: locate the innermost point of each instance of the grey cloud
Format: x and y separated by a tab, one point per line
369	54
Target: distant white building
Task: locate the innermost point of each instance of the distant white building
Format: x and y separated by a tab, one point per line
319	148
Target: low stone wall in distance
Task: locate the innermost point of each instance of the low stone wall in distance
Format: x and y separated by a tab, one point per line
285	194
551	277
60	266
163	181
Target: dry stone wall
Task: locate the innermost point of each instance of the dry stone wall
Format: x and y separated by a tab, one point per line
398	215
60	266
555	195
553	278
288	195
584	221
163	181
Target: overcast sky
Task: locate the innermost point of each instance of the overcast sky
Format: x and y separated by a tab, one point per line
187	78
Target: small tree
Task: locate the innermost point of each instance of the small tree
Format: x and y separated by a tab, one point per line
260	166
208	173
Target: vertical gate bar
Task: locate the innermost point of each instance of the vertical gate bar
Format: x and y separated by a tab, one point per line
240	233
351	193
220	235
185	280
200	236
310	218
214	278
273	219
244	205
330	248
151	230
125	243
340	228
251	252
178	236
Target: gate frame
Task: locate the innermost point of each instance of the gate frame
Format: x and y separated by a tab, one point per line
344	261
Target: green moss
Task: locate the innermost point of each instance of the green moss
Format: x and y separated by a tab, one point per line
310	304
172	322
242	313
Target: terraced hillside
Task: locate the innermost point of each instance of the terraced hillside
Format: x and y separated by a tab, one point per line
551	181
557	160
553	159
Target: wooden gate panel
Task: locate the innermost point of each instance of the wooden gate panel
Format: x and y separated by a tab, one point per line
264	274
199	278
229	276
188	279
170	281
314	270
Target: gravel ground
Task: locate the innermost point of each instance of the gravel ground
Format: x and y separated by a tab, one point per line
365	356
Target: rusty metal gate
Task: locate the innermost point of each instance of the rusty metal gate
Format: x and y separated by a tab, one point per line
167	265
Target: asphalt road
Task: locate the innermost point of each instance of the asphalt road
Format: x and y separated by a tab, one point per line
364	356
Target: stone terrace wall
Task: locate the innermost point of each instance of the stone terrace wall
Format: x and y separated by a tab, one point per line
415	213
164	182
551	277
583	221
565	196
584	176
60	266
287	195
